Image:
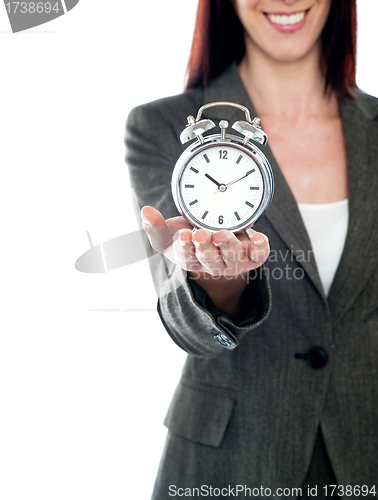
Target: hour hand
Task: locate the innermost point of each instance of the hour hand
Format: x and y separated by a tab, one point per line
213	180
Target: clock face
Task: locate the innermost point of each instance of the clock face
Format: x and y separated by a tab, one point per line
221	187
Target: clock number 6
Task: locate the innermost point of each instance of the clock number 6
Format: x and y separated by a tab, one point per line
220	220
223	155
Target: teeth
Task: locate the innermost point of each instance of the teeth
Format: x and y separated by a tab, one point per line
293	19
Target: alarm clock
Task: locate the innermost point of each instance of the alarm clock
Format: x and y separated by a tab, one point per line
223	181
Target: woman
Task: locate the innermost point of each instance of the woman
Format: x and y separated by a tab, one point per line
280	396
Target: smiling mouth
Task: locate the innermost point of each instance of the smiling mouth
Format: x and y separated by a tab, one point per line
287	19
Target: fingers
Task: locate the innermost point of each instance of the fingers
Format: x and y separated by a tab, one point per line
224	253
185	252
258	248
207	253
152	216
233	252
239	253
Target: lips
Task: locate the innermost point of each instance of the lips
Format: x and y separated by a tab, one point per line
288	22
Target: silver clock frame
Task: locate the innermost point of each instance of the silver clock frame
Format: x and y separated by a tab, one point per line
236	142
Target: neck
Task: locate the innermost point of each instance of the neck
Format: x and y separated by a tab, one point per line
291	91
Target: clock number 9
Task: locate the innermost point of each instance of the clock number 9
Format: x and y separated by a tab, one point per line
223	155
220	220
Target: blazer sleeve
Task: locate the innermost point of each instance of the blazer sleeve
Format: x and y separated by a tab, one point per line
152	149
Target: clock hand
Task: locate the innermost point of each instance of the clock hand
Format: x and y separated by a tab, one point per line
240	178
212	180
236	180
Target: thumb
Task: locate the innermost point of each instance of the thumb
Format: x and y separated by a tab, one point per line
153	216
160	234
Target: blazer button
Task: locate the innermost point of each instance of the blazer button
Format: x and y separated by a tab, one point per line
223	340
316	357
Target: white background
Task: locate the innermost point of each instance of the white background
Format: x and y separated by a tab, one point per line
83	393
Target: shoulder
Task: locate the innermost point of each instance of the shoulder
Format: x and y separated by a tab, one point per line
171	112
157	125
366	103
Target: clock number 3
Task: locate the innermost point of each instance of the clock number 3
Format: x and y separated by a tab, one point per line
223	155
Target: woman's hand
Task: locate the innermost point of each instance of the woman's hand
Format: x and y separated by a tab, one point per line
219	262
218	254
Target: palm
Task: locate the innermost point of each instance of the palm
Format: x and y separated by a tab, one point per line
175	239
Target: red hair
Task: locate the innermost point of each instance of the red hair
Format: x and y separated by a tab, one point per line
218	41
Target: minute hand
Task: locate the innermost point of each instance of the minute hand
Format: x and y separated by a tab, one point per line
240	178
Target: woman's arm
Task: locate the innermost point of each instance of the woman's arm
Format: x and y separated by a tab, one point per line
224	293
192	324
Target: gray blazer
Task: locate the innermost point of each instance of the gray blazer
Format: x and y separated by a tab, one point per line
249	414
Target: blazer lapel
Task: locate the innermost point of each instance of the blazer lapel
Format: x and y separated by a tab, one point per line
359	257
283	213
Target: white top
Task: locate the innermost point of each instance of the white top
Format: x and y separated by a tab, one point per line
326	225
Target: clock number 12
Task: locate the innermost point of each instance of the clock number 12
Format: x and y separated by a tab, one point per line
223	155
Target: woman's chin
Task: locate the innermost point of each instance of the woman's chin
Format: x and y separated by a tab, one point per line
290	53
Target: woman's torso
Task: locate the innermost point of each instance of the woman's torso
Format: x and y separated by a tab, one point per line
261	390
